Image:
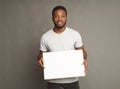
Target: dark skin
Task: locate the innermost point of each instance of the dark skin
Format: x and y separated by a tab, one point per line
59	20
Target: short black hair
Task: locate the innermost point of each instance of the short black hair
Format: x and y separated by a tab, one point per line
57	8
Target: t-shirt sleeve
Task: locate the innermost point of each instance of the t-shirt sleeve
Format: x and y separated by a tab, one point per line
78	41
43	46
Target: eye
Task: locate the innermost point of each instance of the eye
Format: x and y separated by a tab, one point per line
55	16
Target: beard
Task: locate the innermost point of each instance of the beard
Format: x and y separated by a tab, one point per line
59	27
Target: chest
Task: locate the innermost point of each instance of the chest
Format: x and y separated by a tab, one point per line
60	43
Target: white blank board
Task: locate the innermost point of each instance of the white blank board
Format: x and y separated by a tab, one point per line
63	64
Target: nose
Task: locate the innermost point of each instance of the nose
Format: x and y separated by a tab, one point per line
59	18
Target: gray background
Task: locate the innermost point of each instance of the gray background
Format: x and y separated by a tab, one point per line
22	22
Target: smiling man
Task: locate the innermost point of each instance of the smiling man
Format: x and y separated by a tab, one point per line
61	38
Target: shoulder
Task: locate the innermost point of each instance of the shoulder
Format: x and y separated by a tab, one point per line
47	34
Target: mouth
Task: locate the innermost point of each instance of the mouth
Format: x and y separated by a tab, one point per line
60	23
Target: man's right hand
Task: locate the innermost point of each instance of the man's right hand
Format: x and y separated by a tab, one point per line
41	62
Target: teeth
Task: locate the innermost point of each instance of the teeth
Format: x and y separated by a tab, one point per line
59	22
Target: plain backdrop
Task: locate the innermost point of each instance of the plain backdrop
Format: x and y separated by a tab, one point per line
22	22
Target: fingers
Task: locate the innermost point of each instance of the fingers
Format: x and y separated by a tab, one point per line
85	66
41	63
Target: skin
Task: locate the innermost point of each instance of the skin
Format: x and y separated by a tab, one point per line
59	20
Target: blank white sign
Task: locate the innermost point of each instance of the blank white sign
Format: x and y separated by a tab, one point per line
63	64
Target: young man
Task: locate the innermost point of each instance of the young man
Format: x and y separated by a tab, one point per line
61	38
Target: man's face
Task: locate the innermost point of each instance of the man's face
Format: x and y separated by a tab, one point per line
59	18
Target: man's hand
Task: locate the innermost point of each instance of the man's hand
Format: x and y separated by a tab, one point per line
41	62
85	63
40	59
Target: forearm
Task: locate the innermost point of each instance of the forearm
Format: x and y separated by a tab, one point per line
84	54
40	55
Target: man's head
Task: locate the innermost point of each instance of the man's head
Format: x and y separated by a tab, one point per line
59	16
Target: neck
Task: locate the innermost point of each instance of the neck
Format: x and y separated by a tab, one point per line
59	30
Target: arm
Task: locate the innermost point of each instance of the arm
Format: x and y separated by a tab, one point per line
40	58
85	57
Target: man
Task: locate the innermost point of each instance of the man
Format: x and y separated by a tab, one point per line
61	38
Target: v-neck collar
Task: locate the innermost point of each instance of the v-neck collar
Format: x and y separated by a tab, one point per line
59	33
